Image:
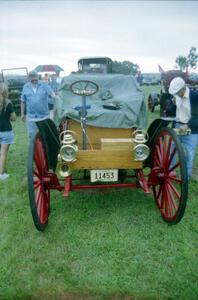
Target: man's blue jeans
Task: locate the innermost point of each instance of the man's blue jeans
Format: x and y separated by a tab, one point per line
31	129
189	143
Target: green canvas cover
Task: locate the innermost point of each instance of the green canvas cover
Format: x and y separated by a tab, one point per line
120	89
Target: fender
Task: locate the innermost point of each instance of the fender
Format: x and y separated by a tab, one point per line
152	131
50	136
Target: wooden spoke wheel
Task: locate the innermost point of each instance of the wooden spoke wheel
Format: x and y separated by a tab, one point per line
169	176
38	183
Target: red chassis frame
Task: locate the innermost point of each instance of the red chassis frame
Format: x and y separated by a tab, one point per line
52	182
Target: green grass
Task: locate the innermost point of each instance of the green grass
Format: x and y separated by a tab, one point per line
96	246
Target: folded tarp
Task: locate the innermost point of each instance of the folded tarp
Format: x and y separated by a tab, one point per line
117	88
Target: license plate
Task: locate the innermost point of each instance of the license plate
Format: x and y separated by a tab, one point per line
104	175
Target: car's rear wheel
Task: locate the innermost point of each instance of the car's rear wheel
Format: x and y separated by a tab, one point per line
169	176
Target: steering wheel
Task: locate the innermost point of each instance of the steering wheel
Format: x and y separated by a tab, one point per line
84	88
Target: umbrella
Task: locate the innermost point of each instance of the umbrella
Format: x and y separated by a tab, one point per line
48	68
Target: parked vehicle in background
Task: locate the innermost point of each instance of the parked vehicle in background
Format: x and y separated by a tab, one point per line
15	78
151	78
93	65
193	78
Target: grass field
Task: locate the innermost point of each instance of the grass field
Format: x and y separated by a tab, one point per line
96	246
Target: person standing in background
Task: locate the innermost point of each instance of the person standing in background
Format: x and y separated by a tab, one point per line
34	102
54	86
186	109
7	115
139	78
46	78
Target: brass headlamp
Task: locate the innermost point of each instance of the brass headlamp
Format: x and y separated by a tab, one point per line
63	168
67	153
141	151
69	148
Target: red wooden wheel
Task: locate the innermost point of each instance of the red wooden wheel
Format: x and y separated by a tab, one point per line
38	183
169	176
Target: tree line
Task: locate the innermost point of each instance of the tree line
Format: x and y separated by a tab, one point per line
184	63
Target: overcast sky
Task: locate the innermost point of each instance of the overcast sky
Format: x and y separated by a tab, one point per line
147	33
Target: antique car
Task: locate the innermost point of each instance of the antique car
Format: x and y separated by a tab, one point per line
95	65
15	78
97	141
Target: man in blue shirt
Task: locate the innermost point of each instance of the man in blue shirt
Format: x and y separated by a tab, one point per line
54	86
34	102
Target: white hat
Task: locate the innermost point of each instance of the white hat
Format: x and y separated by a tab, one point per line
176	85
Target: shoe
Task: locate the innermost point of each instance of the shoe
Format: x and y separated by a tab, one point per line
4	176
